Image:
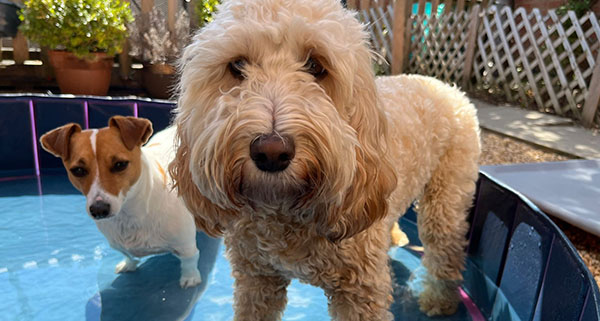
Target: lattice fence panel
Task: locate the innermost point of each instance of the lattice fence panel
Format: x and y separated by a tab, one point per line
438	45
542	61
379	21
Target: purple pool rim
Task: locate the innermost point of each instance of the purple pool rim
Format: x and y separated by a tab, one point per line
86	114
135	110
471	307
34	137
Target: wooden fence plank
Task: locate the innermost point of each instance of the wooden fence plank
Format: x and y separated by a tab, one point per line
471	45
20	48
352	4
421	8
125	59
460	5
364	4
171	12
192	12
434	7
399	42
593	97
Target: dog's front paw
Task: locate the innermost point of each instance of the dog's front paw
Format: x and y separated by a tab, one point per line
439	298
190	279
126	266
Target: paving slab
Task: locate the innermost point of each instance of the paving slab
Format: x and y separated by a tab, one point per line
553	132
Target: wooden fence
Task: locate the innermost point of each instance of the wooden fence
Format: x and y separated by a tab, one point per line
549	62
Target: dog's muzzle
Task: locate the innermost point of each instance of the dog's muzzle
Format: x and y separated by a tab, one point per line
100	210
272	152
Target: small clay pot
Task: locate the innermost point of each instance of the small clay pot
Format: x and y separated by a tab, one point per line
159	80
81	76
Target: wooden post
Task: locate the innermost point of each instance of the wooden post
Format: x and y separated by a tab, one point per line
460	5
192	14
364	4
20	48
352	4
400	41
47	70
147	6
171	12
125	59
421	9
471	45
593	97
434	7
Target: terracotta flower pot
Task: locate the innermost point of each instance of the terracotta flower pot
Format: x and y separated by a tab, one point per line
81	76
158	80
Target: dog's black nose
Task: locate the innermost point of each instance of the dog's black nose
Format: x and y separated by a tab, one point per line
99	209
272	153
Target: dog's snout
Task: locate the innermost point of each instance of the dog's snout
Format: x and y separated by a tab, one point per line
100	209
272	153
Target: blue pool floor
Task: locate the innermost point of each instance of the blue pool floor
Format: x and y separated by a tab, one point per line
56	265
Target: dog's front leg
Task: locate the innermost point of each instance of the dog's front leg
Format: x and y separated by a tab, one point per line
367	299
259	297
128	265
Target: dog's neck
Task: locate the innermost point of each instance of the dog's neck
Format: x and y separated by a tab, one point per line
139	197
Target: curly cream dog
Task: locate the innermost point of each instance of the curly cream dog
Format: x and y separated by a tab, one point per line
291	148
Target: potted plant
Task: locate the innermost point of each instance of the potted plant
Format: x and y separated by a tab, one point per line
157	47
84	36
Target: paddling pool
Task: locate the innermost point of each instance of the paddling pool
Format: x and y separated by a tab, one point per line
56	265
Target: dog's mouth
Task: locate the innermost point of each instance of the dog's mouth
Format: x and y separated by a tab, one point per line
107	217
273	189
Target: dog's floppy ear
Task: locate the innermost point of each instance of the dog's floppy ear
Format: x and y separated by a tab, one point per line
134	131
366	200
208	217
56	141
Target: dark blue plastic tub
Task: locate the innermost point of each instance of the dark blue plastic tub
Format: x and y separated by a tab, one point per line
55	264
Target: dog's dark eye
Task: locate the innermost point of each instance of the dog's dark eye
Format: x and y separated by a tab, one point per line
236	68
119	166
78	171
313	67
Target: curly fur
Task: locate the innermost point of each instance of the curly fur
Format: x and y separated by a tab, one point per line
365	149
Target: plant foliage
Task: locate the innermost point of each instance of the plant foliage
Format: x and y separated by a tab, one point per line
78	26
204	11
580	7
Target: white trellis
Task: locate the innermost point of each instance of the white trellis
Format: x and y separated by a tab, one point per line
548	61
379	22
531	57
439	45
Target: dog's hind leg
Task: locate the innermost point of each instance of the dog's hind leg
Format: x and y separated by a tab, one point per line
442	224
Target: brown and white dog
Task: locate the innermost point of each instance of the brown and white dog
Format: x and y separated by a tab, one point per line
127	189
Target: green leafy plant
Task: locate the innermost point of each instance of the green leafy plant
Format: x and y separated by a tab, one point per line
204	11
580	7
78	26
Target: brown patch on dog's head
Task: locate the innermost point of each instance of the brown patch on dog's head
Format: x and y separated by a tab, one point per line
103	164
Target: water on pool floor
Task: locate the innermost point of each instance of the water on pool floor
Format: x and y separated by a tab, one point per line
56	265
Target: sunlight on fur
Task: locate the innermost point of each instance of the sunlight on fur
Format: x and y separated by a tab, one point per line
340	155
